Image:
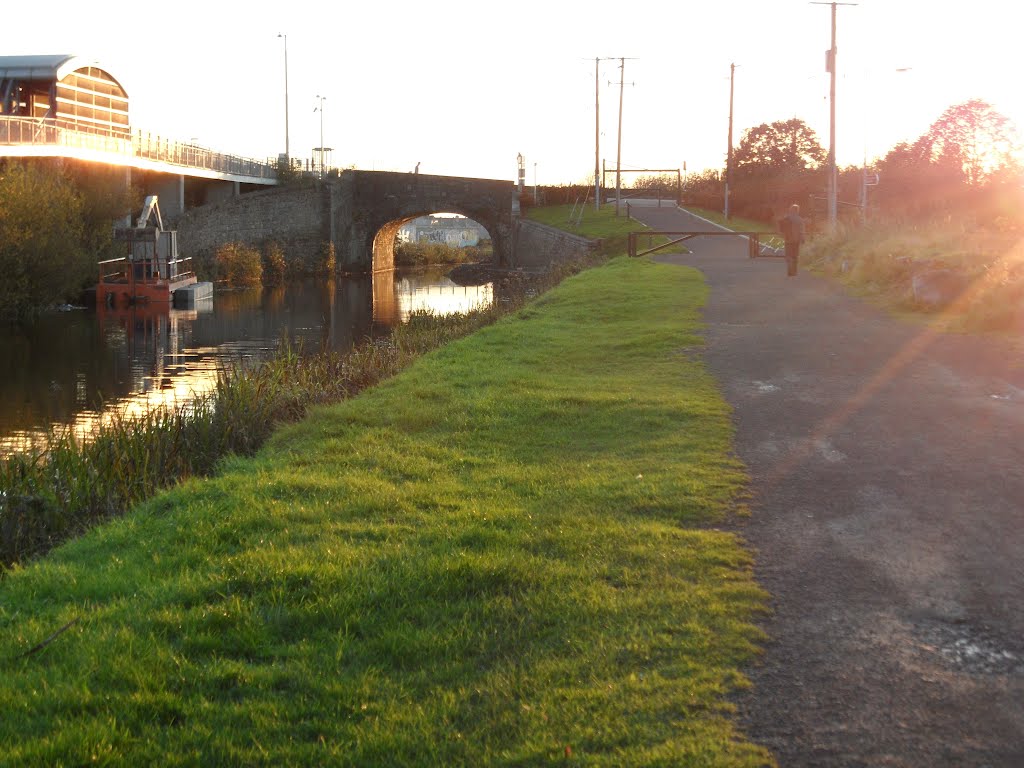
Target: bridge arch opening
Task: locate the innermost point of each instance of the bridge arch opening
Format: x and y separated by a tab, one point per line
456	229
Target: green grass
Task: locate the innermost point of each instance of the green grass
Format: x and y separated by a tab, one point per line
602	224
505	555
59	488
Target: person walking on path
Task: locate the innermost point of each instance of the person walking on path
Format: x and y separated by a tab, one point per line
792	227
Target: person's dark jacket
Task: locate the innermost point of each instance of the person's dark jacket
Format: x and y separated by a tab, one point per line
792	227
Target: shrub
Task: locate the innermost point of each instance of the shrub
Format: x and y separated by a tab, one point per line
239	265
274	264
424	253
327	262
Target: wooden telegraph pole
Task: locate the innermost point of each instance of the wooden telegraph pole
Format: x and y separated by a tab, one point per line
833	173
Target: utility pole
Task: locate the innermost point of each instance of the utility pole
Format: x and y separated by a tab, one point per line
597	136
728	158
618	154
833	173
598	179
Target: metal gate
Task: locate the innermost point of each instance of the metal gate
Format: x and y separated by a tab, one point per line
761	244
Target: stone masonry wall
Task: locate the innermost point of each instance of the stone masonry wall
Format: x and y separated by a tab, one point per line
296	218
538	245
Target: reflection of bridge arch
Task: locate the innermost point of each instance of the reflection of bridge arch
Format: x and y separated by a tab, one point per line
395	298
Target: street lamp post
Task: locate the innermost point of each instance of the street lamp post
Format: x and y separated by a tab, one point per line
287	146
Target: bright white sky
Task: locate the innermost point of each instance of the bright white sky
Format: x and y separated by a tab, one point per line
462	86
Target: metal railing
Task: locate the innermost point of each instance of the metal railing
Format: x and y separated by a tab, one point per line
28	131
24	130
123	269
145	145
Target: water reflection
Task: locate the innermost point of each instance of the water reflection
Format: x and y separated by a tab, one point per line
70	368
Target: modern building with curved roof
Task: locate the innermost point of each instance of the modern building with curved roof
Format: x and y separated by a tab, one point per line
69	91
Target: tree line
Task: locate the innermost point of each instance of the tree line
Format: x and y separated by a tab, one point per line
963	166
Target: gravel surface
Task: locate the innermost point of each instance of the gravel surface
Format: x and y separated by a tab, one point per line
887	469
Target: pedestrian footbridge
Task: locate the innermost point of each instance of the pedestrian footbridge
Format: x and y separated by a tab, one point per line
70	107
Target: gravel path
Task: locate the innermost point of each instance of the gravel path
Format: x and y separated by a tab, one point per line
887	470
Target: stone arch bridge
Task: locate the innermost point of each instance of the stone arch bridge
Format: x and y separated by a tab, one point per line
369	207
360	212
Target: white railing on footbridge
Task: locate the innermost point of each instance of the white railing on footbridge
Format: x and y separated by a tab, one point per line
28	132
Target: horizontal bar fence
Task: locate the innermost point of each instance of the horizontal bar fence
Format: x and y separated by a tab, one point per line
773	245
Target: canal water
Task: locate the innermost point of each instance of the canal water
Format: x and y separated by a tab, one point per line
71	367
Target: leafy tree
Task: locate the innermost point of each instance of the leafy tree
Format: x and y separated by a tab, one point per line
106	198
775	164
41	231
963	165
972	137
782	145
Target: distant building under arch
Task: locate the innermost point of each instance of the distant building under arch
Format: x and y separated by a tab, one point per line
64	90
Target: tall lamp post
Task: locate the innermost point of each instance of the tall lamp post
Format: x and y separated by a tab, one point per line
322	150
287	146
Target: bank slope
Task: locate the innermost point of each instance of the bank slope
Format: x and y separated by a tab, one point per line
501	557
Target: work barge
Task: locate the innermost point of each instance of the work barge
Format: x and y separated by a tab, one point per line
151	271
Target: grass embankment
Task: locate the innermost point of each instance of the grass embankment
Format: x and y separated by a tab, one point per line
600	224
68	484
880	261
500	556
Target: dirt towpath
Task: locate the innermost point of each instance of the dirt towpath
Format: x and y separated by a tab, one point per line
887	504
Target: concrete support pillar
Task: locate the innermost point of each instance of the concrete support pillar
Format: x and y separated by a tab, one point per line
127	220
218	191
170	192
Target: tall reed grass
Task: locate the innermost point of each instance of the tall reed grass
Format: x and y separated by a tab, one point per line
59	489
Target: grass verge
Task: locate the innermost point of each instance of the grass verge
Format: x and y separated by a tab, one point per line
612	230
584	220
68	483
502	556
880	263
